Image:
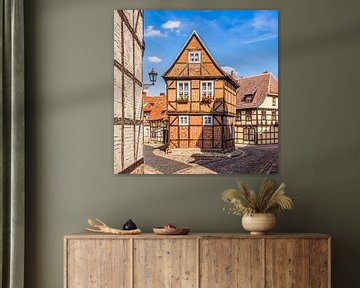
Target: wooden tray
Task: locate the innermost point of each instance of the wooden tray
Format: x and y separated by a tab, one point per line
171	231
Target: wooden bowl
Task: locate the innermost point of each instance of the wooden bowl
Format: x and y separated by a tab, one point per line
171	231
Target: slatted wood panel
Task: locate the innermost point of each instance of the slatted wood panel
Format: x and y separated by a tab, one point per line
98	264
165	263
231	263
287	263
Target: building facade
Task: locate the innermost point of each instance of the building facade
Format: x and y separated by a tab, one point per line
155	119
201	100
128	106
257	110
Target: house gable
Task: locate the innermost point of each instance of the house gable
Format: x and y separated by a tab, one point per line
182	68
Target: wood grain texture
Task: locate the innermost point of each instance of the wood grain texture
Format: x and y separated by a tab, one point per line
287	263
231	263
319	263
88	235
98	263
197	261
165	263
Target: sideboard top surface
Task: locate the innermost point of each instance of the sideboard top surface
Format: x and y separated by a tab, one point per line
86	235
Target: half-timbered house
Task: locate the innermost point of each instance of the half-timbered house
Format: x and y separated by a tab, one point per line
128	121
155	119
201	100
257	110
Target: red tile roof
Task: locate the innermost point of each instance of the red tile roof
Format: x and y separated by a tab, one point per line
156	106
259	86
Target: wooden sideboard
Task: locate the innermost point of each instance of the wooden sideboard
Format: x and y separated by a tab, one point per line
197	261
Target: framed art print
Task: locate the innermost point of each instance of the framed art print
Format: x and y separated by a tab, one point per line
196	92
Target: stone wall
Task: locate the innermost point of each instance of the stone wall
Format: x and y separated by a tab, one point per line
128	113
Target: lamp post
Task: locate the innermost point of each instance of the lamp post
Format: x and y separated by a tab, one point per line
152	77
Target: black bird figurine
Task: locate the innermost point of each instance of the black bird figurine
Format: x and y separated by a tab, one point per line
129	225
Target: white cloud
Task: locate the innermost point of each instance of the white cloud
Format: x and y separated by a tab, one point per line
264	20
228	70
260	38
263	26
154	59
150	31
171	24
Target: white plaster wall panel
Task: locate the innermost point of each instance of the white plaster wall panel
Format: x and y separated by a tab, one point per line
139	28
117	92
139	143
129	16
128	145
138	102
128	98
138	63
128	50
268	103
117	148
117	37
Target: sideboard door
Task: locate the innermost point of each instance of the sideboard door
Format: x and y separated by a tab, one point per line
297	263
231	263
165	263
98	263
287	263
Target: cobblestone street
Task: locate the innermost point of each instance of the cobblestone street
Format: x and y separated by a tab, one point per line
160	165
243	160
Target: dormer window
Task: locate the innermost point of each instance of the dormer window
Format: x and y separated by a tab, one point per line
194	57
248	98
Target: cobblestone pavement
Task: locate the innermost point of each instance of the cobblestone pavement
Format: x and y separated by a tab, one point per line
243	160
254	160
155	164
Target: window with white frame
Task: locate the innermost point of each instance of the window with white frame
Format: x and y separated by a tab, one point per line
183	90
207	89
207	120
194	57
248	98
183	120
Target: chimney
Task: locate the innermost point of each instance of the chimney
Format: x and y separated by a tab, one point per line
265	72
162	94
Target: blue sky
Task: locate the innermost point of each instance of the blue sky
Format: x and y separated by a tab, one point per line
245	41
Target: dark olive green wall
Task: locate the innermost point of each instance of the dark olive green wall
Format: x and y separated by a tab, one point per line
70	132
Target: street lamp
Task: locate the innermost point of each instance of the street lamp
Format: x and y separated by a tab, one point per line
152	77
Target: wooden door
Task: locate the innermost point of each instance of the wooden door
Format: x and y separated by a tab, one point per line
287	263
170	263
297	263
231	263
99	263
